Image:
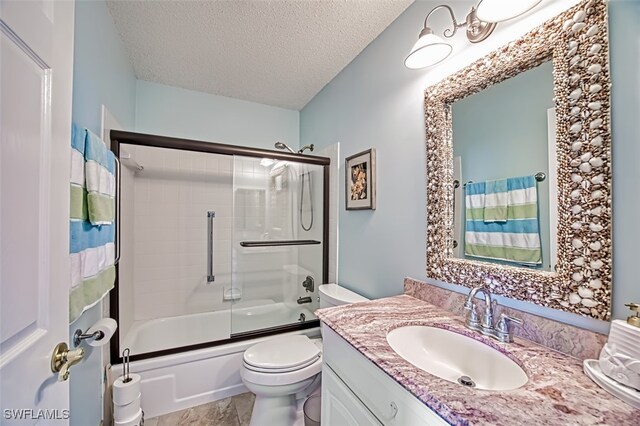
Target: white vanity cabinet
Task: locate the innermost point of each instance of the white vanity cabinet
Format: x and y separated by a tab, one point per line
355	392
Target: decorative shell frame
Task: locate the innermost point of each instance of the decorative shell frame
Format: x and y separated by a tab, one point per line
578	43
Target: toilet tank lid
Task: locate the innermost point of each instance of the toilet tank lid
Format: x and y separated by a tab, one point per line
337	295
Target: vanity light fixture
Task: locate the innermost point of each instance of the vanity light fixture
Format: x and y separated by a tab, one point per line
431	49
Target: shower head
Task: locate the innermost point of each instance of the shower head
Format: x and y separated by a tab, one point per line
280	145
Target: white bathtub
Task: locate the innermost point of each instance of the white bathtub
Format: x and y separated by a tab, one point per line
175	382
174	332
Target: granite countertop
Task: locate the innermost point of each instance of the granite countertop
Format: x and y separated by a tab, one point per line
557	393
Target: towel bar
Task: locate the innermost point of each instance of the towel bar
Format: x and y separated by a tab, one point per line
540	176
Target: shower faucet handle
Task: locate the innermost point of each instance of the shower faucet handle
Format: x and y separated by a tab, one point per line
308	284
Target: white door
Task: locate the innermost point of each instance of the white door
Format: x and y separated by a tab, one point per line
36	66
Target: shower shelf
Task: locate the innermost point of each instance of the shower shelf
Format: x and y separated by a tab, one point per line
278	243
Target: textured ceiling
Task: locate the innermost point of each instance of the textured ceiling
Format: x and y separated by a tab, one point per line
277	53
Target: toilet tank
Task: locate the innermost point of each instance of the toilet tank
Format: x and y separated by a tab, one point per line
334	295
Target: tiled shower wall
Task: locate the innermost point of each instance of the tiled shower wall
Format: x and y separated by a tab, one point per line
172	196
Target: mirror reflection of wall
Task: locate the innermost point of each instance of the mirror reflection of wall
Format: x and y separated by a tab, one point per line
502	133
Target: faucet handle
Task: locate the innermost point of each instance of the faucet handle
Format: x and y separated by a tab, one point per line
503	330
509	318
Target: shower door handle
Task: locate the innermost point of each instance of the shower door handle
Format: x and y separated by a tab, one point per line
210	256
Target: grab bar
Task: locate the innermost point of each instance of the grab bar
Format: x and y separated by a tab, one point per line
117	207
210	273
279	243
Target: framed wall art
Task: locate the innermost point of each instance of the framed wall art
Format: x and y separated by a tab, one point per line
360	180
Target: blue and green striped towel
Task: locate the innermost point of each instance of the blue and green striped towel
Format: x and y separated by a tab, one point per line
91	231
515	239
496	200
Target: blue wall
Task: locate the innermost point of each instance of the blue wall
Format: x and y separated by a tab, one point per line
376	102
624	50
101	75
101	70
172	111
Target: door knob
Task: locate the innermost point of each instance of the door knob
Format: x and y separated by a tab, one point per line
62	359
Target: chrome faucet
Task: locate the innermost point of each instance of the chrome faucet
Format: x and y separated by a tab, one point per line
487	318
501	331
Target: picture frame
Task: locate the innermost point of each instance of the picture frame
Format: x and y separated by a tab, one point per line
360	181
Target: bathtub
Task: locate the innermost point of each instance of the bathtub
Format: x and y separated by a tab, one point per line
178	381
174	332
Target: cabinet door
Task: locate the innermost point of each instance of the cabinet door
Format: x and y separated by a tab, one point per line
340	407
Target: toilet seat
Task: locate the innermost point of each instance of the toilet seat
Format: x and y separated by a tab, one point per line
282	360
281	378
282	354
280	370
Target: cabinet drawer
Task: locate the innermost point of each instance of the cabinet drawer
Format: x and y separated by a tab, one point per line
384	397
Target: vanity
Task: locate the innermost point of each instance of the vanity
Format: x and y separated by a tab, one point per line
365	381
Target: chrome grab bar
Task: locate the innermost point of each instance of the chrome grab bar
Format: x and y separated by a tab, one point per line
117	207
278	243
210	256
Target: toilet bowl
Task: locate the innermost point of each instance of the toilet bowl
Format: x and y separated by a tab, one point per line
285	368
276	371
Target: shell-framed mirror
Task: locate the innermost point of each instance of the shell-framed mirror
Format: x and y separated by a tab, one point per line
574	45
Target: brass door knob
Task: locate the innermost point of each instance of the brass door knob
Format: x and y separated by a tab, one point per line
62	359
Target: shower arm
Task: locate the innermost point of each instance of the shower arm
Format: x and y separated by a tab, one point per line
309	147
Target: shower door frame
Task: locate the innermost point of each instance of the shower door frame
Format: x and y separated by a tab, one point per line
119	137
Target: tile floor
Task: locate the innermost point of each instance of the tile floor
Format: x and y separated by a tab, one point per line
234	411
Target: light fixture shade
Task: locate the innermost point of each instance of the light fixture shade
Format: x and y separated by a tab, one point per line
503	10
429	50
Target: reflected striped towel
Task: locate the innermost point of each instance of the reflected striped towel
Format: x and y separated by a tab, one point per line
515	240
91	230
496	200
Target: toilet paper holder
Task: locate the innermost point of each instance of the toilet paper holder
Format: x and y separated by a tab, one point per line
79	336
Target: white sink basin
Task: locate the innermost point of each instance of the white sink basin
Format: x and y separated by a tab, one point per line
452	356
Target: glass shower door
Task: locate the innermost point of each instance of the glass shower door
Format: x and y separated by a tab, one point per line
176	254
277	249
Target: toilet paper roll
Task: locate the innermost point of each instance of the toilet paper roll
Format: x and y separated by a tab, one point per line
107	326
134	421
126	393
122	413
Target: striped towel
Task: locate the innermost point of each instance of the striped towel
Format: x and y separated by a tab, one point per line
91	229
496	200
515	240
474	200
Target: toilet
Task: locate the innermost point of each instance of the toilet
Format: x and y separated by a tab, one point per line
283	369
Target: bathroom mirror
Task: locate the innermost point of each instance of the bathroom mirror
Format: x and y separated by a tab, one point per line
501	140
574	46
